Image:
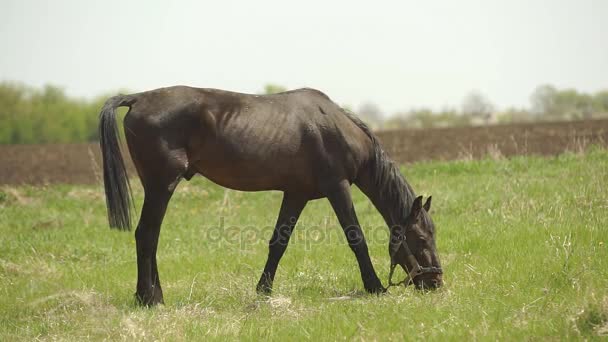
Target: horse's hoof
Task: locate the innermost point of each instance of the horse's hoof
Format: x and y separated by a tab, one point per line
148	300
263	290
376	289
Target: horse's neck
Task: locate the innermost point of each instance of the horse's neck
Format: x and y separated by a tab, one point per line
393	199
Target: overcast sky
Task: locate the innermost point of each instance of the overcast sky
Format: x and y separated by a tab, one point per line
397	54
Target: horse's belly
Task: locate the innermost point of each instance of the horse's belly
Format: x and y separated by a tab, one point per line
233	178
250	175
249	163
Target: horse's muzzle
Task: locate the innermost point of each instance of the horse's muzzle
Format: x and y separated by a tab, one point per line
428	282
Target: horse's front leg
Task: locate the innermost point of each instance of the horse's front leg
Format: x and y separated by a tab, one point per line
341	202
291	207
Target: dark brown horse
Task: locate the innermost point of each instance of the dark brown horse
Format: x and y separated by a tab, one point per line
298	142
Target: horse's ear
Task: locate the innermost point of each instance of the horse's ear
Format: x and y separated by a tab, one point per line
427	204
416	206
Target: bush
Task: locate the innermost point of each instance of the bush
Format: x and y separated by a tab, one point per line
47	115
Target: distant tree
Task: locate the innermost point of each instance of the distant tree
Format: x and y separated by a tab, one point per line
397	121
552	103
576	105
422	118
426	118
600	101
477	106
544	101
273	89
11	99
512	115
31	116
565	102
449	117
370	113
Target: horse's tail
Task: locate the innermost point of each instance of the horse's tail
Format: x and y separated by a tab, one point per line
116	182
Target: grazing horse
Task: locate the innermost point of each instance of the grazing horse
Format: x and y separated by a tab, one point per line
299	142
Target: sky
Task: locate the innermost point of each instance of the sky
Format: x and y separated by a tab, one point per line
396	54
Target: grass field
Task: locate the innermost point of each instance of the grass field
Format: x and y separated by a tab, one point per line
522	241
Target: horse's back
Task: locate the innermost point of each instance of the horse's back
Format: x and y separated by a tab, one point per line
290	141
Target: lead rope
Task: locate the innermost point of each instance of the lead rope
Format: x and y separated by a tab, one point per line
409	278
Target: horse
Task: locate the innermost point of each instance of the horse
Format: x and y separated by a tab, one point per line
298	142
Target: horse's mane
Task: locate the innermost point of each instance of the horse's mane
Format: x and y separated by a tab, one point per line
394	191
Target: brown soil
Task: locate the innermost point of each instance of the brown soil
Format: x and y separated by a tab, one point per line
80	163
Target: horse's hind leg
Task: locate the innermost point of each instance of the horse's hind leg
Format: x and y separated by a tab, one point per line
149	291
291	207
159	175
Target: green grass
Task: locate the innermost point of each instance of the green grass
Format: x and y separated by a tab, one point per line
523	244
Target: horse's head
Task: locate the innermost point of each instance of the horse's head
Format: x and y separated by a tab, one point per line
412	246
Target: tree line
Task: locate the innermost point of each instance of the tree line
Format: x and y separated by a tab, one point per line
30	115
34	116
547	103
